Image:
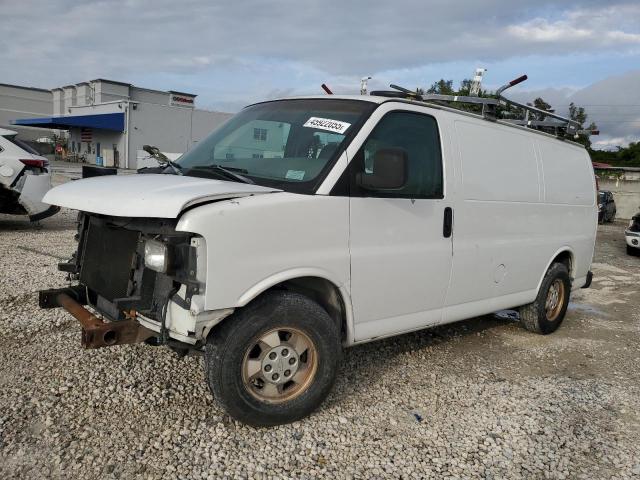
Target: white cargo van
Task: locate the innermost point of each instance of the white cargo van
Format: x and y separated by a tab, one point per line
304	225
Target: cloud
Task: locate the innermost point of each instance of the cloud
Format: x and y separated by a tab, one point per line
234	53
338	38
613	104
586	28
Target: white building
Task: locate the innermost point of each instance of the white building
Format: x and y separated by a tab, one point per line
109	122
19	102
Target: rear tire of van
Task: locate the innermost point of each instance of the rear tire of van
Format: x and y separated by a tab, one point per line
273	361
547	312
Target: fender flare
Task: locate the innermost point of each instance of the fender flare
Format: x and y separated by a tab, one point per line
564	248
300	272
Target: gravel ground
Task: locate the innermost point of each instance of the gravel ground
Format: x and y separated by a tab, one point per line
480	399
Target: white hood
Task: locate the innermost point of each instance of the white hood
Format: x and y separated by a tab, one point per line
145	195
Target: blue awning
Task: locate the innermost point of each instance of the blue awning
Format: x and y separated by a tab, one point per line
103	121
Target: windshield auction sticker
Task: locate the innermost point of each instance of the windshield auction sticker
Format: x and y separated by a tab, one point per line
335	126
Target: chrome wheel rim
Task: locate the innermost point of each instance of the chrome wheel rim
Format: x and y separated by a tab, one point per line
555	299
279	365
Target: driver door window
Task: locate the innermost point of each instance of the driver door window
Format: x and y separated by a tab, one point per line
415	133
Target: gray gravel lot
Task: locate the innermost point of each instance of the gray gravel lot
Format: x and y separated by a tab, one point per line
482	398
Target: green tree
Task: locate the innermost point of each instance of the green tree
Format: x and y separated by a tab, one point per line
540	104
579	115
442	86
628	156
465	87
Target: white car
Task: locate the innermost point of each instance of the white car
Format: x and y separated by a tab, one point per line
24	179
632	235
304	225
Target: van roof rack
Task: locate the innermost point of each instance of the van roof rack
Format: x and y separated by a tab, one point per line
534	118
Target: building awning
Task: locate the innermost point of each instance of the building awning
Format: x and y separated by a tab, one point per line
103	121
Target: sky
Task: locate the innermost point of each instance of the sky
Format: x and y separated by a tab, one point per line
234	53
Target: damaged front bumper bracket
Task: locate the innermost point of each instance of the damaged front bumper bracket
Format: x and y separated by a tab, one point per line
96	333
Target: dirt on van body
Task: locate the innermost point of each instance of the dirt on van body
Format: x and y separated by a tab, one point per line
481	398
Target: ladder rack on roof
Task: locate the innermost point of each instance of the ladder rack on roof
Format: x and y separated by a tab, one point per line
534	117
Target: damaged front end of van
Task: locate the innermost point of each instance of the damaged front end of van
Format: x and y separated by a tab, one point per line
128	269
133	278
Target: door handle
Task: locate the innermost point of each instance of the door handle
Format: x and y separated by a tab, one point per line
447	225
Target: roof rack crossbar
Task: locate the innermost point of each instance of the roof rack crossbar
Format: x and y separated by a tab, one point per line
536	123
571	125
543	118
458	98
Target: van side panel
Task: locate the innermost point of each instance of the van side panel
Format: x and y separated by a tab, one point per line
570	200
568	177
497	165
497	223
505	230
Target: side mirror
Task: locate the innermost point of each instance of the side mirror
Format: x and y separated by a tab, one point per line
389	170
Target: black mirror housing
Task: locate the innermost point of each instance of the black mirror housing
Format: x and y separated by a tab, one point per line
389	170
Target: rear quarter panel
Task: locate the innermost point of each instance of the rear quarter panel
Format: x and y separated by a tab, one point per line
571	209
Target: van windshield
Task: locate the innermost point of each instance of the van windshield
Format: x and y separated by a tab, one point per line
287	144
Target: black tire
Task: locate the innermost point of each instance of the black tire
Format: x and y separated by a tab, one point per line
633	251
231	344
535	316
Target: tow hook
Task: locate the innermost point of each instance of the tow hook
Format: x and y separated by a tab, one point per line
97	333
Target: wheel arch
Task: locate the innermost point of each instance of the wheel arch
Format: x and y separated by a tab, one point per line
563	255
319	287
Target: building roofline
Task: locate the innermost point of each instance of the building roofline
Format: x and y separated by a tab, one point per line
111	81
25	88
183	93
152	90
622	169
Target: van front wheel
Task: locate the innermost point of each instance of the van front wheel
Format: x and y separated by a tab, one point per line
273	361
546	313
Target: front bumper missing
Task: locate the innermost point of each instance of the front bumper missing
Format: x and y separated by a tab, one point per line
96	333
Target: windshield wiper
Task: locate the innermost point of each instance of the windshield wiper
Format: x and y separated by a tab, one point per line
162	159
175	166
227	172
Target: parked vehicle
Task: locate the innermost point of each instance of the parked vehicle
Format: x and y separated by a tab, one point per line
24	179
606	207
304	225
632	235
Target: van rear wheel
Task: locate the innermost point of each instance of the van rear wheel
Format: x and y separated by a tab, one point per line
547	312
273	361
